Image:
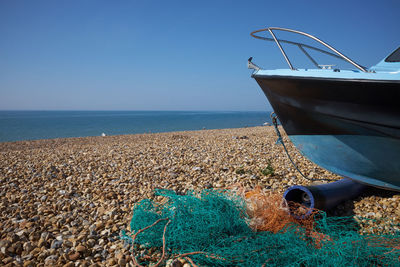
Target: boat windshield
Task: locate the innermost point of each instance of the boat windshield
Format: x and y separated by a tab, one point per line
394	57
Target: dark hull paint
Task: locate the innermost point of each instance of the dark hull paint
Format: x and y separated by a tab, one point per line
350	127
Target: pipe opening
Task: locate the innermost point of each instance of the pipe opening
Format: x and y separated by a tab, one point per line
301	197
300	201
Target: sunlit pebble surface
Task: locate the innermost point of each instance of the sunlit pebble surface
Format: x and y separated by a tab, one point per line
65	201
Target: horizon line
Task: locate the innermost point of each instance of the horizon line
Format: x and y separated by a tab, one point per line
138	110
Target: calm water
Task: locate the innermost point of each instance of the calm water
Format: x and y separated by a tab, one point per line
31	125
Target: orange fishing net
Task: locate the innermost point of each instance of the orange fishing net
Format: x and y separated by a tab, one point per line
269	212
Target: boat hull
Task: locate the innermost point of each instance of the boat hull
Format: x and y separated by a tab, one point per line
349	127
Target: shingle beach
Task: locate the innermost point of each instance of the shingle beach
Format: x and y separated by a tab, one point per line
64	202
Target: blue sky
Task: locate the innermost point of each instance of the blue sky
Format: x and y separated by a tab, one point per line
167	55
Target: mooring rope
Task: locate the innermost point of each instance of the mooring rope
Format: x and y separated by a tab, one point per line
274	119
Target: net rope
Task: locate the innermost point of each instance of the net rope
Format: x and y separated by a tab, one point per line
226	228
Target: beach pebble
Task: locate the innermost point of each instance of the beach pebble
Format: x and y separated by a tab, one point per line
28	263
73	256
56	244
81	249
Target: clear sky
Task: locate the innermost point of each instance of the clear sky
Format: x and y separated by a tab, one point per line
167	55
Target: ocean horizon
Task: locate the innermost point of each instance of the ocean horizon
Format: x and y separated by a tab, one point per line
19	125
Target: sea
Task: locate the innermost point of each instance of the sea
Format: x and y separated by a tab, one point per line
34	125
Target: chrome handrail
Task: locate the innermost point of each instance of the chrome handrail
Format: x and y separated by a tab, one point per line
301	46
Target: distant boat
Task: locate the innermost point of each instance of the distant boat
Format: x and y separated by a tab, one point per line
103	134
346	121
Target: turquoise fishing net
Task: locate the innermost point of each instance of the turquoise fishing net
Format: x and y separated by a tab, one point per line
216	224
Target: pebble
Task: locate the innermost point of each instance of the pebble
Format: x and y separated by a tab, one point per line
65	201
122	262
56	244
42	243
28	263
74	256
81	249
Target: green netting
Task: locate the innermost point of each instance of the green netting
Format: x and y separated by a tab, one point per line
216	223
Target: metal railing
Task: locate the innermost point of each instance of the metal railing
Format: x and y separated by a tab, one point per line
301	46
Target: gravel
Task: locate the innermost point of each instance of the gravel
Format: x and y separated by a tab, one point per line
64	202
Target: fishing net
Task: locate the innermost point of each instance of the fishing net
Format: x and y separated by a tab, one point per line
220	228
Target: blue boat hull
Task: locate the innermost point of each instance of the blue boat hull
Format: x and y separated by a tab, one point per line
349	127
368	159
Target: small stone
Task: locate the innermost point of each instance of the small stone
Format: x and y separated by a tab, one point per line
42	243
177	263
168	263
68	243
208	186
120	255
84	263
7	260
28	263
111	262
28	247
35	251
20	233
51	260
13	238
45	236
74	256
18	248
105	232
99	225
81	249
56	244
122	262
34	236
218	185
90	243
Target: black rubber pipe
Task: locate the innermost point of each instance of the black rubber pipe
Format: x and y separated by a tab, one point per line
324	196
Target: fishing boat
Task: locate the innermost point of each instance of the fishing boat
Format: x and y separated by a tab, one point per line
346	121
